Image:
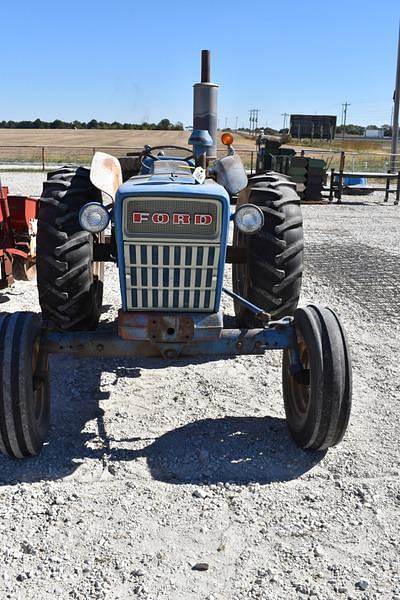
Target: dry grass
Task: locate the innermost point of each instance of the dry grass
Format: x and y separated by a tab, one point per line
77	145
361	154
91	138
373	146
350	145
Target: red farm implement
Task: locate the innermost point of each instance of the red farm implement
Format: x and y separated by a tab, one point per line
18	216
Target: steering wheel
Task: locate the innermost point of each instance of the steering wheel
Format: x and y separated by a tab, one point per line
148	151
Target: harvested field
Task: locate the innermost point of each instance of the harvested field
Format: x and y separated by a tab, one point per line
32	146
153	466
89	137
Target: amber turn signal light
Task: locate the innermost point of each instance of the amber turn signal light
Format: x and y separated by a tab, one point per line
227	139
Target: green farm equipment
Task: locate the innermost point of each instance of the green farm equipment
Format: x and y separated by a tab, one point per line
308	173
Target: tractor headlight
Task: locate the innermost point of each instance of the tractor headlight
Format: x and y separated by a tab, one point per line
249	218
94	217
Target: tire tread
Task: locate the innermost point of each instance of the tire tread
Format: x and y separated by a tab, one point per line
273	272
69	295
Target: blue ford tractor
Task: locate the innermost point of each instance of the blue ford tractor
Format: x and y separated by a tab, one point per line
164	216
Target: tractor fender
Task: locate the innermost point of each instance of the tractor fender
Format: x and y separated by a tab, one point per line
230	173
106	173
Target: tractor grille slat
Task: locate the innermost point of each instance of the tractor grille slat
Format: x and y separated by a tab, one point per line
169	277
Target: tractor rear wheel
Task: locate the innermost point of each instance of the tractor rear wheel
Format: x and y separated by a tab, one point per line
70	284
24	386
271	275
318	400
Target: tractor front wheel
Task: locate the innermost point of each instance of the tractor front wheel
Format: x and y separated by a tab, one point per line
318	399
24	386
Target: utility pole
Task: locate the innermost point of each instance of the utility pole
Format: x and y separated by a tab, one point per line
256	110
341	120
285	115
395	121
253	119
344	113
236	123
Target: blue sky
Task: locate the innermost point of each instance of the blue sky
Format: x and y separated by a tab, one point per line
133	61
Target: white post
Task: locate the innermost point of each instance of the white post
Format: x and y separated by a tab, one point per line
395	122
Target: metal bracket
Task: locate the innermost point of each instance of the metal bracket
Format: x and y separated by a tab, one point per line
256	310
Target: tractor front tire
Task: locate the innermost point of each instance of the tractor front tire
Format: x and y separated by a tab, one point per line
318	400
70	284
271	275
24	386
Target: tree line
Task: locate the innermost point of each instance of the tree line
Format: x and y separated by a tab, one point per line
164	124
350	129
360	130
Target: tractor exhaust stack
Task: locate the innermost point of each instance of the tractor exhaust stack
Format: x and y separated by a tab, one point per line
205	100
205	66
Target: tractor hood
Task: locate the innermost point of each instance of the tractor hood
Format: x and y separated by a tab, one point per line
171	235
174	182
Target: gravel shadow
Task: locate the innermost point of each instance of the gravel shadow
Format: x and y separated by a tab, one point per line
230	449
237	450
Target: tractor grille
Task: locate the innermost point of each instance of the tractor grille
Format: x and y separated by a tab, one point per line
171	255
167	276
163	206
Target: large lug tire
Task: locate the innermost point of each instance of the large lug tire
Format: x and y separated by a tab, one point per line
318	400
70	284
24	386
271	277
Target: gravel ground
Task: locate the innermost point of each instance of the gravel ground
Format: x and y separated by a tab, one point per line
155	467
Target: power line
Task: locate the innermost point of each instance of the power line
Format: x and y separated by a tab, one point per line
284	115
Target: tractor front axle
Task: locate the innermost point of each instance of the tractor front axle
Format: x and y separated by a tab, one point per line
109	344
